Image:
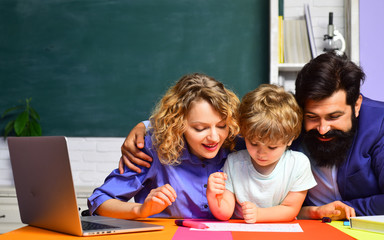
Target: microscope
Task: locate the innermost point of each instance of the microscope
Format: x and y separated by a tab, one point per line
333	41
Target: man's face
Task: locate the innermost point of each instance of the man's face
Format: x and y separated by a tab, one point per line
332	113
330	126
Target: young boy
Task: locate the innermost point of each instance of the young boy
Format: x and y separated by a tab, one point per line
266	182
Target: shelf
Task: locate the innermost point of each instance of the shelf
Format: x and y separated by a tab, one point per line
285	74
290	67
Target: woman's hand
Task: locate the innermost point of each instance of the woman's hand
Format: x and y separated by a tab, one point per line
157	200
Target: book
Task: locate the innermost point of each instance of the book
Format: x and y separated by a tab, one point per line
368	223
311	36
281	8
304	43
281	40
296	43
289	36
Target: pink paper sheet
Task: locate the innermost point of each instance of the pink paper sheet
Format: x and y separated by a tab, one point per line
184	233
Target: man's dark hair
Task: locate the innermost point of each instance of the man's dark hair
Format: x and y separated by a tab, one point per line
327	74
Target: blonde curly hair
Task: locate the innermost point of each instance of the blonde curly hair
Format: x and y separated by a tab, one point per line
169	116
269	114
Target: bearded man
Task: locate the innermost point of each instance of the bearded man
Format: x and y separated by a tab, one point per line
343	136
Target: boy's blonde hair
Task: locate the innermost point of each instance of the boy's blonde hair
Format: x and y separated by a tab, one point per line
269	114
168	118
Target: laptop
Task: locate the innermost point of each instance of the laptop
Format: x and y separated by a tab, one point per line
46	194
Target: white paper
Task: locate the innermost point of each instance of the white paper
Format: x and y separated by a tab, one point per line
256	227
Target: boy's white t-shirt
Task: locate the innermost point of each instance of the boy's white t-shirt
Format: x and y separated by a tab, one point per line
292	173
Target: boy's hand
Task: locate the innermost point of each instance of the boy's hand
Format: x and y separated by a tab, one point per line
216	185
157	200
249	212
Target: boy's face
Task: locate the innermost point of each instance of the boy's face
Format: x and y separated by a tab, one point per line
265	156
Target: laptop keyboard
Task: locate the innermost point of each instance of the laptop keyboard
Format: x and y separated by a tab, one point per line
95	226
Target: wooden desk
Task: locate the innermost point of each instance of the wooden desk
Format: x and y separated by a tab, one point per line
312	230
33	233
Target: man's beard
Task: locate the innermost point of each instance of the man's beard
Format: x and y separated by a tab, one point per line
333	152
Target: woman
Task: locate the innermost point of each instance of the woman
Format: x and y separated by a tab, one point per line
192	130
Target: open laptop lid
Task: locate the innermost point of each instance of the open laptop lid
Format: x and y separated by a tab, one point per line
43	182
45	191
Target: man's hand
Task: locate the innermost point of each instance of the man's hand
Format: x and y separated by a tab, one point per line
249	212
157	200
131	150
335	210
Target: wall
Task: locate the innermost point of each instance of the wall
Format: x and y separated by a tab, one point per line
371	49
96	68
92	159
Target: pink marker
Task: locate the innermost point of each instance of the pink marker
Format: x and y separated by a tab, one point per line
190	224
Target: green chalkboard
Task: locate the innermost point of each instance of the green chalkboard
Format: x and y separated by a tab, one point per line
97	67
